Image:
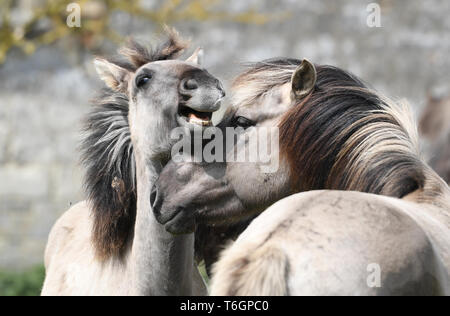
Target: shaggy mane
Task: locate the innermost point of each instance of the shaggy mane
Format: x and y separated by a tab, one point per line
351	137
107	153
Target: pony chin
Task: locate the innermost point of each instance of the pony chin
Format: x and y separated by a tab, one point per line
181	224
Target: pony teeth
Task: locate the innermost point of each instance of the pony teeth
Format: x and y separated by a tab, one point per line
195	120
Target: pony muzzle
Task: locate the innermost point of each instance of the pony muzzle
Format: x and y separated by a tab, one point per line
176	222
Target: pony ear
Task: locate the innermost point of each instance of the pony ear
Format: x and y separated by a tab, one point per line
196	57
303	79
114	76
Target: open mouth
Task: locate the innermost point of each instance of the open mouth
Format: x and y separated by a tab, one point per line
194	117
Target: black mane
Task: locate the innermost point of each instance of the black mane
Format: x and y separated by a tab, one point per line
110	180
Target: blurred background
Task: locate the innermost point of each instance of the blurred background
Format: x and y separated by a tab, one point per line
47	79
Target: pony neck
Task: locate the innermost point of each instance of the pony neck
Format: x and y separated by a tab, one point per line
161	263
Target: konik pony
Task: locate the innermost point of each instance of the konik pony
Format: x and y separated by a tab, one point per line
111	244
354	195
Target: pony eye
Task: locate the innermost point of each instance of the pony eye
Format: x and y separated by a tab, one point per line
243	122
143	80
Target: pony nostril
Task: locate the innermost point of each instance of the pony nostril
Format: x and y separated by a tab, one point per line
153	196
190	84
221	89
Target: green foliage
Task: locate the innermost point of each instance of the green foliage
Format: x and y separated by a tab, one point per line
203	273
25	283
95	16
29	282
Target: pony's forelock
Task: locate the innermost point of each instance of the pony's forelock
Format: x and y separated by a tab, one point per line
138	55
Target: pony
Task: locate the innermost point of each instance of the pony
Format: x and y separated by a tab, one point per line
111	244
351	192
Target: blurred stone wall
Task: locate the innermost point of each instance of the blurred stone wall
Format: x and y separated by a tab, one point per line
43	97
